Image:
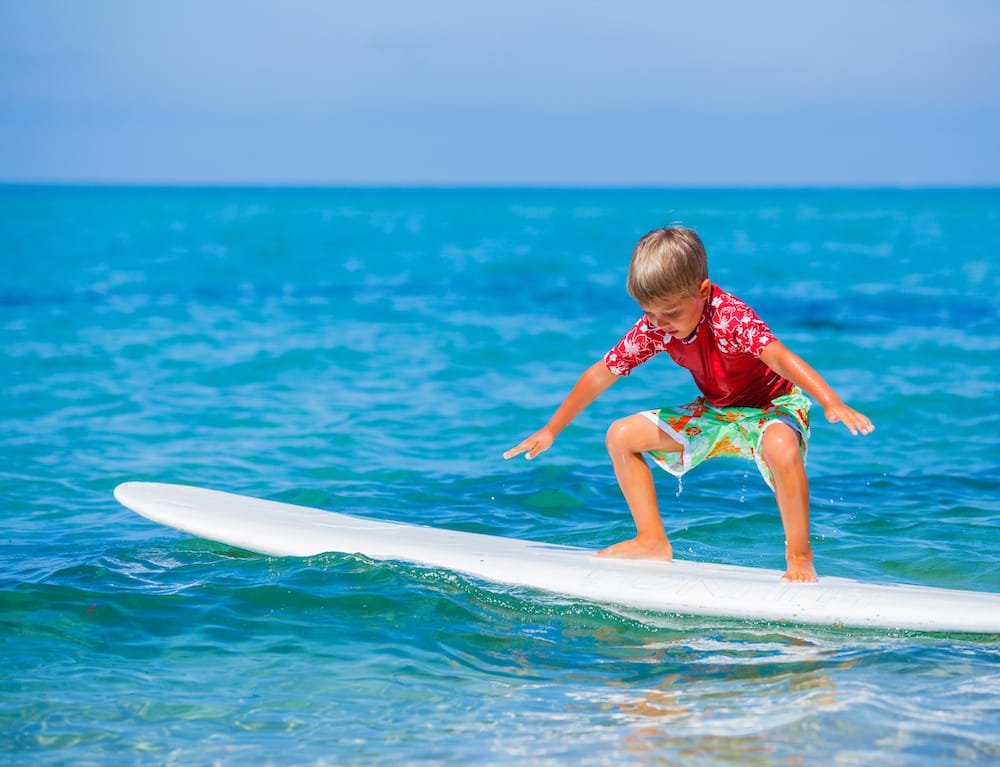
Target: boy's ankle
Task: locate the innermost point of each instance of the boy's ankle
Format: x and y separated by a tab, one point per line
798	555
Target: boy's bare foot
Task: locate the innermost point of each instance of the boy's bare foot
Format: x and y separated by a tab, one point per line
636	548
800	568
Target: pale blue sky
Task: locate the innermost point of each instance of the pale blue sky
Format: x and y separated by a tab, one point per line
631	92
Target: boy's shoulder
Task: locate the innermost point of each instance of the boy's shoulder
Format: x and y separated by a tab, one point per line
722	297
723	304
735	325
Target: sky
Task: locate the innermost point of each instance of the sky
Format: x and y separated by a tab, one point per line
520	92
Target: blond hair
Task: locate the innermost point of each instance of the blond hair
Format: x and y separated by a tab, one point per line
666	263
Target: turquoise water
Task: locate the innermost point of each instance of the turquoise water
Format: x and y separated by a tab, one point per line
374	352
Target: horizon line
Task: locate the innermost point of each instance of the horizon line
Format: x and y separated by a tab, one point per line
493	186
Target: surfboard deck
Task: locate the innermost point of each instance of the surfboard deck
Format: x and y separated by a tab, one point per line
678	587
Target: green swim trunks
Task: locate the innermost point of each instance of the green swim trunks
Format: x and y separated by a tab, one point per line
706	432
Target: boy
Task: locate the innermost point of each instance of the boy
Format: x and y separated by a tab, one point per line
752	403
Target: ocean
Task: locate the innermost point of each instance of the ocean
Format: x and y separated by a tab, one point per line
374	351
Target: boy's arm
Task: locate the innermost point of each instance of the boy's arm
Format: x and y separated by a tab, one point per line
595	380
789	365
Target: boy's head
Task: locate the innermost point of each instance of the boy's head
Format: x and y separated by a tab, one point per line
667	263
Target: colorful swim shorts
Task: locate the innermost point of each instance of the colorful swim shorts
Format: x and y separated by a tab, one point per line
706	432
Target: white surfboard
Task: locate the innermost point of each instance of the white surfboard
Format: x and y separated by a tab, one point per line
678	587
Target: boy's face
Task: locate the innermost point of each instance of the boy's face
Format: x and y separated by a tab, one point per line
678	316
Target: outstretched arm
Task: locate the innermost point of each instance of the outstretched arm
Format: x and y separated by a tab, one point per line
595	380
789	365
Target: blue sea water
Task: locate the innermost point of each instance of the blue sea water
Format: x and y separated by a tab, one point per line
374	351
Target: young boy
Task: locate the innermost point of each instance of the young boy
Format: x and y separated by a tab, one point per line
752	403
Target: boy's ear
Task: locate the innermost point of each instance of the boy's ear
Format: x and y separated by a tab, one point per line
704	290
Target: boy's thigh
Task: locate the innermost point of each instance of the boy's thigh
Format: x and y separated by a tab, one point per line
639	433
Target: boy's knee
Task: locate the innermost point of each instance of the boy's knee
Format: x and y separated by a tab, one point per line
780	448
617	437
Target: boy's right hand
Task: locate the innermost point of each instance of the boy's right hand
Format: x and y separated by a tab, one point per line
537	443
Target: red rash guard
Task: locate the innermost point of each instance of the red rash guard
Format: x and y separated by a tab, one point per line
722	355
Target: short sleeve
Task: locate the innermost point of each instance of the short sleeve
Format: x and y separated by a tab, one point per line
738	328
638	345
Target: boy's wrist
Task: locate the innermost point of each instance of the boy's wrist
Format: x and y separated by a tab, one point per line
832	404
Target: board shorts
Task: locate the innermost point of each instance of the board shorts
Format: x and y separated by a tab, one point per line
704	431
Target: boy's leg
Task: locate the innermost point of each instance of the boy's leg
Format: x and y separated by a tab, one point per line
627	440
780	449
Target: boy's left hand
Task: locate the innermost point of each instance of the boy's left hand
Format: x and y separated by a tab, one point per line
857	423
